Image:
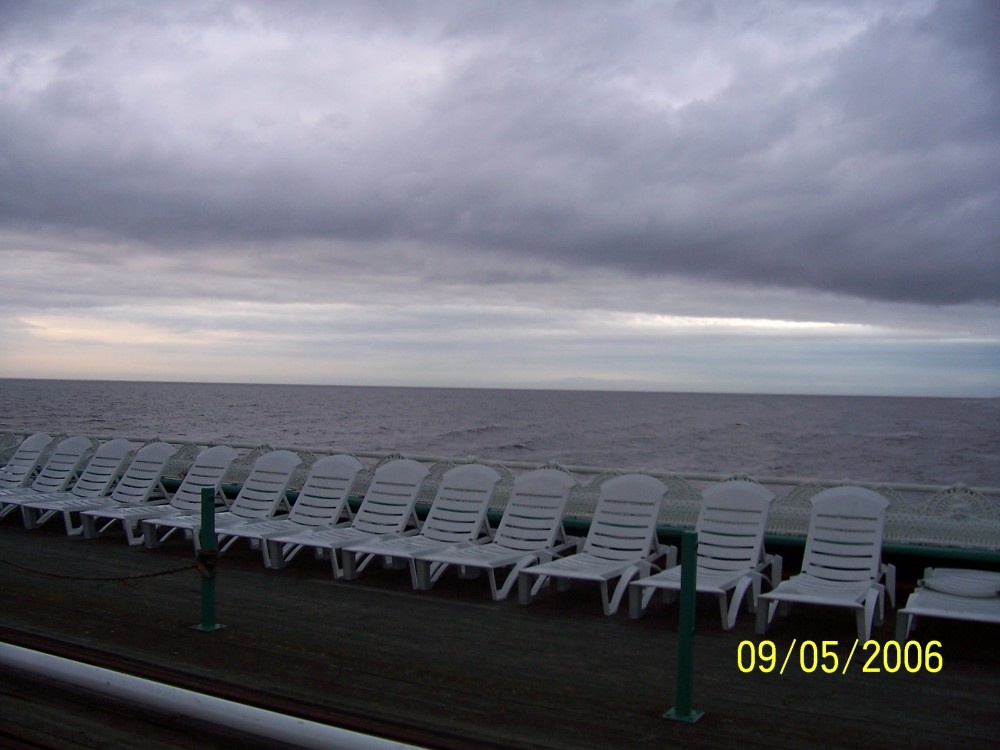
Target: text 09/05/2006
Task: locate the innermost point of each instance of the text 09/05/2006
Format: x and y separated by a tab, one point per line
825	657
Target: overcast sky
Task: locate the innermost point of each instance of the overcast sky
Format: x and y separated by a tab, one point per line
746	196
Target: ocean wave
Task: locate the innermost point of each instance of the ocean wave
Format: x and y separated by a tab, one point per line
930	441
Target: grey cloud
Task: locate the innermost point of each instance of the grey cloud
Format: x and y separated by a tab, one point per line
658	142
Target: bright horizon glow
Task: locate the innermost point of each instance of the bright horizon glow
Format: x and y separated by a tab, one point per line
490	345
682	322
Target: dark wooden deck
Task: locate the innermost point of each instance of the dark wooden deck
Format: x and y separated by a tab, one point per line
448	668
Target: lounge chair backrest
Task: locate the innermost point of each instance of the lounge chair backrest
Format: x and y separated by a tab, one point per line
104	468
206	471
532	519
624	522
20	469
731	525
142	477
844	541
323	498
388	504
263	492
62	464
458	511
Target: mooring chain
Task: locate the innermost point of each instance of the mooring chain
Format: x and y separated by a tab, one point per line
206	562
110	579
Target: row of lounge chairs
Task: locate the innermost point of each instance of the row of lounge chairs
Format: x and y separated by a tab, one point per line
841	567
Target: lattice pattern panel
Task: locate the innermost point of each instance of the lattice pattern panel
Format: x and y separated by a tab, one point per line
243	465
181	461
8	445
955	517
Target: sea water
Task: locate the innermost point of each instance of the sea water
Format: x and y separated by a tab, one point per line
913	440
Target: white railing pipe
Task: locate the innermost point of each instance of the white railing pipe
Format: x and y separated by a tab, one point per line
168	699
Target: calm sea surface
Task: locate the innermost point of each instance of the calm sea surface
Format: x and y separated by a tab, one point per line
922	440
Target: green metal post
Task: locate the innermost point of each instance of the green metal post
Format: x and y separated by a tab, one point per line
682	710
207	558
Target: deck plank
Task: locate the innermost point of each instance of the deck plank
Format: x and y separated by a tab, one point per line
451	668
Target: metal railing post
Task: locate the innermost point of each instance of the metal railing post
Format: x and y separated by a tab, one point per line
207	559
682	710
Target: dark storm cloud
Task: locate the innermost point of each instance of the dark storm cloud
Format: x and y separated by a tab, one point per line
850	149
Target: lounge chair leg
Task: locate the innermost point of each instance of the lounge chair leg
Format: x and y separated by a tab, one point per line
30	517
71	528
753	594
634	602
765	611
149	530
524	588
671	561
748	587
873	602
606	603
336	563
349	564
903	622
270	552
494	592
89	527
890	583
724	611
437	569
132	534
646	594
365	562
620	589
393	563
414	581
421	571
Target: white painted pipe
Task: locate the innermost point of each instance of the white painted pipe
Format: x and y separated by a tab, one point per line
168	699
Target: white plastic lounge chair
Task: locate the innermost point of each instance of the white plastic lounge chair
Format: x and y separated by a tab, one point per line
59	471
952	594
20	469
261	496
530	531
207	471
96	481
457	514
621	542
321	503
731	555
139	485
387	508
841	564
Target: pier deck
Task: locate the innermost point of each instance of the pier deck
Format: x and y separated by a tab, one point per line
449	667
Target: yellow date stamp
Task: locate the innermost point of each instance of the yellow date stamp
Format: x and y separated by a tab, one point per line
828	657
